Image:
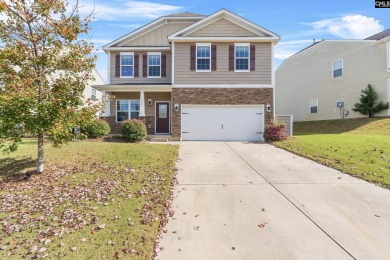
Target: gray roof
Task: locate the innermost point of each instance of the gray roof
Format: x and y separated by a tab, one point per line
186	14
379	36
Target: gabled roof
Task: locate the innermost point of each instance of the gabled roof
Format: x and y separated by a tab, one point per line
152	25
379	36
186	14
232	17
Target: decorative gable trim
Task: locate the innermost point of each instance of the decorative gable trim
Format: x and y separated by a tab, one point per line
248	25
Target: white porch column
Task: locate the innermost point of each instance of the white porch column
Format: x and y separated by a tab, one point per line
106	100
142	103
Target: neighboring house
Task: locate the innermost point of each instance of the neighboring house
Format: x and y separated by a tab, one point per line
89	92
194	77
310	83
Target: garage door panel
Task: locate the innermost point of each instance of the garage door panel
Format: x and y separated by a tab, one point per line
234	122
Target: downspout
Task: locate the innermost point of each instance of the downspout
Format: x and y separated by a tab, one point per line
273	77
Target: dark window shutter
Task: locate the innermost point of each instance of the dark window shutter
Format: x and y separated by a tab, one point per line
163	65
213	57
117	65
145	65
253	57
231	57
193	57
136	65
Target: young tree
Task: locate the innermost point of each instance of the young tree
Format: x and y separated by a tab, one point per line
44	68
369	104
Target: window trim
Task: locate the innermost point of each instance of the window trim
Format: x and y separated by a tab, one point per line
154	53
128	111
342	68
249	57
120	60
196	57
310	105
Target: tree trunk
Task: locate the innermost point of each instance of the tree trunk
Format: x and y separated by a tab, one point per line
40	153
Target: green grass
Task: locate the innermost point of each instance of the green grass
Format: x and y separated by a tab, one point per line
359	147
121	185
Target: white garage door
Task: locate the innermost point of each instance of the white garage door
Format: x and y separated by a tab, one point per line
234	123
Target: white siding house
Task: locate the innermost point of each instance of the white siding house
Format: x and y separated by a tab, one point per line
310	83
90	92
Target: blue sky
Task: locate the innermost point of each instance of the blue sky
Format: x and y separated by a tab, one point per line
297	22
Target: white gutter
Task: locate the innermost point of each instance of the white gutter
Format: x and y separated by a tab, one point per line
224	39
140	48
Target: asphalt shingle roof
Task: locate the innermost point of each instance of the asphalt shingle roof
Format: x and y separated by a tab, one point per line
379	36
186	14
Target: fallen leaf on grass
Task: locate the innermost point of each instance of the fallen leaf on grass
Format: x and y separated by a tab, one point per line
102	226
43	249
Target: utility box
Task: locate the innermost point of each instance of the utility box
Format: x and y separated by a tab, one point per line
76	130
340	104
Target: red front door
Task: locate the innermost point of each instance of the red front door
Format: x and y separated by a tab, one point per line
162	118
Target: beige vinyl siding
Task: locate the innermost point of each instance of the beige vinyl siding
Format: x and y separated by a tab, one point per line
287	121
308	75
140	79
262	74
149	110
158	36
222	28
155	35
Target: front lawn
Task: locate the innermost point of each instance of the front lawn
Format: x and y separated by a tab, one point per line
96	200
360	147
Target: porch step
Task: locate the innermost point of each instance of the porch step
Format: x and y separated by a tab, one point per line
159	138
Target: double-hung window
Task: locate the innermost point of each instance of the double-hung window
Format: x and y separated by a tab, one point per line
337	67
203	57
126	109
313	104
154	65
127	64
241	57
93	94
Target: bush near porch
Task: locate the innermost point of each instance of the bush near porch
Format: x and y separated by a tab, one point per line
95	200
359	147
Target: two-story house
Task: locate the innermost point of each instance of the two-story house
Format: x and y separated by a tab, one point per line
194	77
311	83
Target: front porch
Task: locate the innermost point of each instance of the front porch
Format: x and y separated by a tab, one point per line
153	107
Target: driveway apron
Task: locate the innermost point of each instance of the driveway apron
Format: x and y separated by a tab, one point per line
239	200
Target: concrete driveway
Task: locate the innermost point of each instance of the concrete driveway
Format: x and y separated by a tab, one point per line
240	200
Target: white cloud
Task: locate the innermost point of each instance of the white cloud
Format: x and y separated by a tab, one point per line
126	10
131	26
100	41
283	50
349	27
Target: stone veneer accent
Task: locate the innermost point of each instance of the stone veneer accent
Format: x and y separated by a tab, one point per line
116	127
218	96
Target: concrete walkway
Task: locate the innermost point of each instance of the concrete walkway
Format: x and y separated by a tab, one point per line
253	201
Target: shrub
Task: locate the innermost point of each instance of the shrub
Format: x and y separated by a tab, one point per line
369	104
275	132
133	130
96	128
